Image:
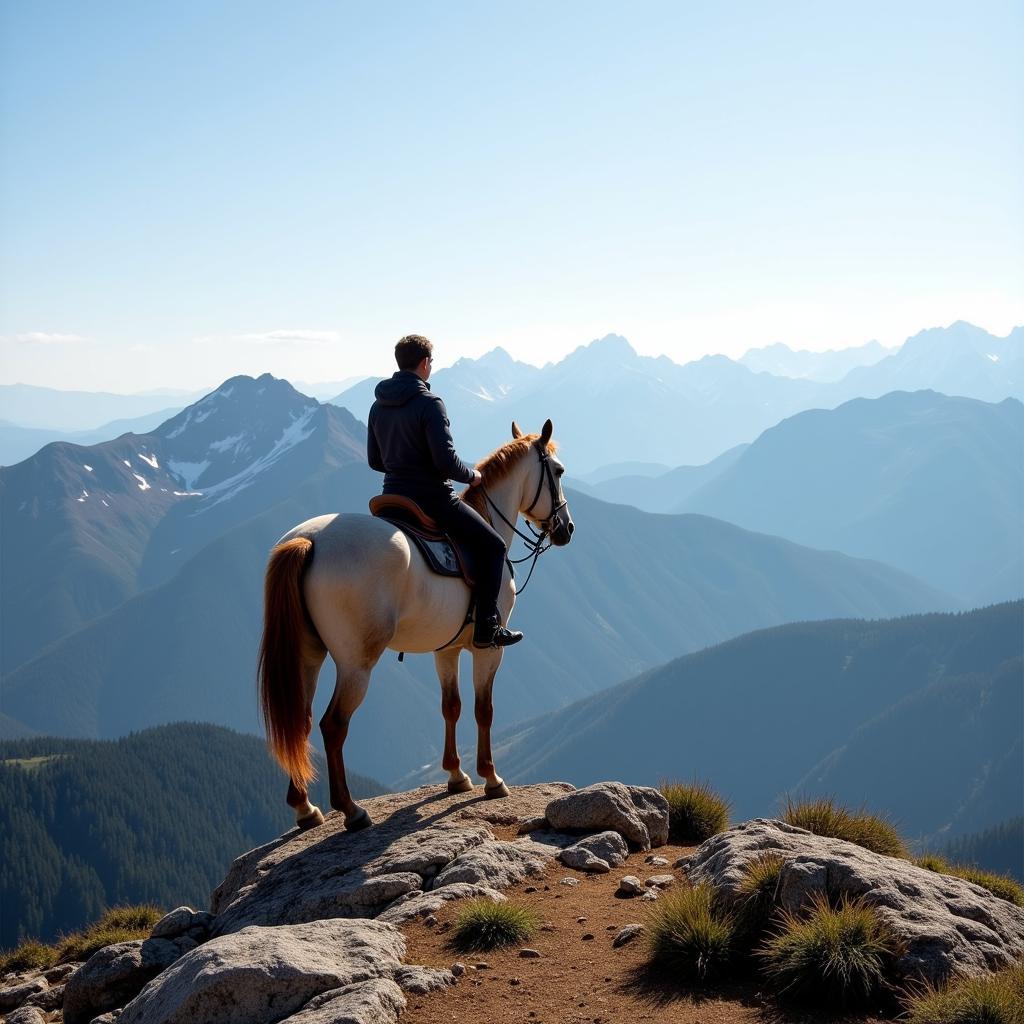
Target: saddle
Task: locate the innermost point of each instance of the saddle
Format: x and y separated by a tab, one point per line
442	554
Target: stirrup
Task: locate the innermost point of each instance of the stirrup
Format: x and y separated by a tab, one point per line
501	637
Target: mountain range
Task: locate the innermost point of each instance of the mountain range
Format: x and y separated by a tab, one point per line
928	483
133	579
87	527
917	717
610	404
831	365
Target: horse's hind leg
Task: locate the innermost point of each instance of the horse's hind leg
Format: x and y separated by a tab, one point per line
349	691
307	815
485	665
447	664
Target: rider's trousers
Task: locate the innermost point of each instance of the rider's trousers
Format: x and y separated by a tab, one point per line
468	527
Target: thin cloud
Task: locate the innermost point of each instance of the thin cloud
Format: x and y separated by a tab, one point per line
284	338
48	338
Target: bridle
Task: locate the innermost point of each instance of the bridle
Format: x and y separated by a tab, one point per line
536	544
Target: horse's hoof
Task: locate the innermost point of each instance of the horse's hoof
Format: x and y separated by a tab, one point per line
310	820
358	821
464	785
493	792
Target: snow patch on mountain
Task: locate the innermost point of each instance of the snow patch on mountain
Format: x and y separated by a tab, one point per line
143	482
181	427
150	460
295	433
188	472
228	442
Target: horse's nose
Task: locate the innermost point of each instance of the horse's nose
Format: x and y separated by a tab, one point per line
570	527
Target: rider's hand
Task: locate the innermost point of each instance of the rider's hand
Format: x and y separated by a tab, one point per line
477	478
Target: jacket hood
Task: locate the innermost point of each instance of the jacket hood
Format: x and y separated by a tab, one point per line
400	388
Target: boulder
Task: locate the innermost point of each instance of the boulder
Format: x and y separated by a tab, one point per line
114	974
421	904
638	813
15	995
25	1015
377	1001
597	853
259	975
497	864
947	924
183	921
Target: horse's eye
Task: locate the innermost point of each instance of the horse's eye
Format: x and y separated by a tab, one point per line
559	471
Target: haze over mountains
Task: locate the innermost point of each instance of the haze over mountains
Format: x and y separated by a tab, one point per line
919	716
132	567
611	405
636	590
925	482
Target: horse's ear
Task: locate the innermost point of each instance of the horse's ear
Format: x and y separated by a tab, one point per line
516	432
546	431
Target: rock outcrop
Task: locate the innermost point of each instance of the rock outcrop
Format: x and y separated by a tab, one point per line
421	840
263	974
114	974
598	853
948	925
306	929
638	813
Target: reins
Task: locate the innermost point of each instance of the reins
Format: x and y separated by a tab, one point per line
536	543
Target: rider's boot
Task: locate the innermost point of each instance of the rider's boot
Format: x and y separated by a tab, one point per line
489	632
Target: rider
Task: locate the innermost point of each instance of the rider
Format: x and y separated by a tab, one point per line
409	441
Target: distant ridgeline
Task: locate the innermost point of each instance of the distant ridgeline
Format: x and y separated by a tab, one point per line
153	817
919	718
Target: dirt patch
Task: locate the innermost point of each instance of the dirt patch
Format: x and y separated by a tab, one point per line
579	977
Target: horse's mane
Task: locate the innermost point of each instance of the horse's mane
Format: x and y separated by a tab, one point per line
498	465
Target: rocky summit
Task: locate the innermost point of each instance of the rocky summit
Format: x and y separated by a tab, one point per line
316	927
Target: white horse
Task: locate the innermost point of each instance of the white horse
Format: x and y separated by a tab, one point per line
353	586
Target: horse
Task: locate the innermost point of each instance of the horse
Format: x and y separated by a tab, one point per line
354	586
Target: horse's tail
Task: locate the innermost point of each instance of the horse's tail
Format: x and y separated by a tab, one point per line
282	696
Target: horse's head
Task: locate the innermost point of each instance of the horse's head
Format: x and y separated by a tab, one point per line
542	500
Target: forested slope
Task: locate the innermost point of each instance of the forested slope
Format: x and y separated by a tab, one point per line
154	817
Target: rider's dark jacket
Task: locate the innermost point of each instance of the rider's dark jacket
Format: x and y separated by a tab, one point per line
408	437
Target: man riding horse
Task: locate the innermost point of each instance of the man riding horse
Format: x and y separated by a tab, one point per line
409	441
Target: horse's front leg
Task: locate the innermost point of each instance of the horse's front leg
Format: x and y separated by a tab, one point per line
485	665
447	664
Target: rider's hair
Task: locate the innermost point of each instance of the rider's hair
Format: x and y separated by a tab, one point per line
412	350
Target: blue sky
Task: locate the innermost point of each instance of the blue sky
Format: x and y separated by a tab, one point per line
197	189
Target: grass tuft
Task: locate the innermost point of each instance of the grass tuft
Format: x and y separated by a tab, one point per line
755	895
28	956
483	925
933	862
824	818
1003	886
842	953
690	935
695	811
120	924
992	999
